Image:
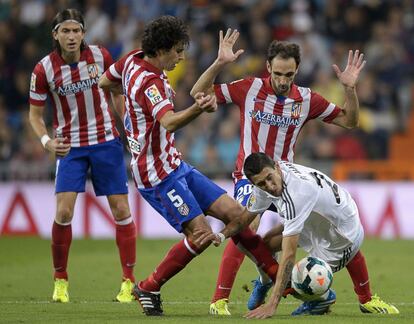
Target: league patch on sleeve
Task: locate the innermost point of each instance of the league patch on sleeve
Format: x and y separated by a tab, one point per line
153	94
33	82
252	200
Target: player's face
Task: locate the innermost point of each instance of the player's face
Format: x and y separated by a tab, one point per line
70	36
282	72
269	180
170	59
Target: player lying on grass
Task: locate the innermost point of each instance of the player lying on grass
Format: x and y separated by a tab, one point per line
316	214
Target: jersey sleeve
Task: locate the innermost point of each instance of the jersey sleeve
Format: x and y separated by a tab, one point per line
322	109
234	92
298	206
107	57
258	202
38	86
156	100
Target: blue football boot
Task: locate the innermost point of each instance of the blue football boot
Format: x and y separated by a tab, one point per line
258	294
316	307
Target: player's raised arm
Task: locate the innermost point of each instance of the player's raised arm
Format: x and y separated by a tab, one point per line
225	55
349	117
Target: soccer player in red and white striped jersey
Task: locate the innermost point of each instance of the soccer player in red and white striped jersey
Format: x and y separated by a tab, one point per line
179	192
273	111
85	138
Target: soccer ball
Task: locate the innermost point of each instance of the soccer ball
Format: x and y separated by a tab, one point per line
311	277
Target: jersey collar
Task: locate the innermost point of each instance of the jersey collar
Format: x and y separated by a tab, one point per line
293	94
139	59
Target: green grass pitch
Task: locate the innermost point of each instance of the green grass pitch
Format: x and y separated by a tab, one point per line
94	270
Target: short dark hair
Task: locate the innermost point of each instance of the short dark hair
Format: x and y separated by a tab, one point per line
67	14
255	163
163	34
284	50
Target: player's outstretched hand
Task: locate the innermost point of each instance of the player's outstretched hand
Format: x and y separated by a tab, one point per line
225	52
58	146
207	103
203	237
261	312
349	76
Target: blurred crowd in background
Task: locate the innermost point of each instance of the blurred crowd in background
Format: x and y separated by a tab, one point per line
325	31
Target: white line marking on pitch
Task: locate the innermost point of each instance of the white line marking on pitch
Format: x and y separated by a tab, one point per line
165	302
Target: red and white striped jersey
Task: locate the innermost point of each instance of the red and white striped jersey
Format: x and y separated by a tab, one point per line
270	123
148	96
80	108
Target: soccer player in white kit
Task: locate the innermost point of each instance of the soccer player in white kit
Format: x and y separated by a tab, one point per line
316	214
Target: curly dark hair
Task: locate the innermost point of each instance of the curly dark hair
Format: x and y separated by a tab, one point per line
284	50
255	163
67	14
163	34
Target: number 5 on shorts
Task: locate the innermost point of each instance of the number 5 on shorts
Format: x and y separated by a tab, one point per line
175	198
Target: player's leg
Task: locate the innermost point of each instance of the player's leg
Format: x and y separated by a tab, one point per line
109	179
70	179
147	291
61	241
174	200
357	269
232	258
125	234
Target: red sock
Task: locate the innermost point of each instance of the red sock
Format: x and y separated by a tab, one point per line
126	241
230	263
358	271
61	240
257	251
175	260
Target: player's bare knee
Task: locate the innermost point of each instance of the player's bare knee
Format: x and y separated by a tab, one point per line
64	215
121	212
120	208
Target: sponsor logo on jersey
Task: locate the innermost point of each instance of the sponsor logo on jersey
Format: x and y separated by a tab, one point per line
92	70
274	120
296	110
134	145
184	209
33	82
153	94
76	87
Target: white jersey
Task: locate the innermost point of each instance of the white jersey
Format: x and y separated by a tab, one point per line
314	206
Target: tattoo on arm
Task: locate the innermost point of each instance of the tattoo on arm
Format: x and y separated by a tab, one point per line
286	275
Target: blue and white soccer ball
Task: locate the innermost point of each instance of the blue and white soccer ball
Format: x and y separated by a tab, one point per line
311	277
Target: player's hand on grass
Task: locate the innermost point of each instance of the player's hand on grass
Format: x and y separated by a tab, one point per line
261	312
349	76
207	103
225	52
58	146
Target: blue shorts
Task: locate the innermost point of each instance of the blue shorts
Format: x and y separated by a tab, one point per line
183	195
242	191
108	171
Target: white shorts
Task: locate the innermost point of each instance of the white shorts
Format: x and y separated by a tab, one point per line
339	258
